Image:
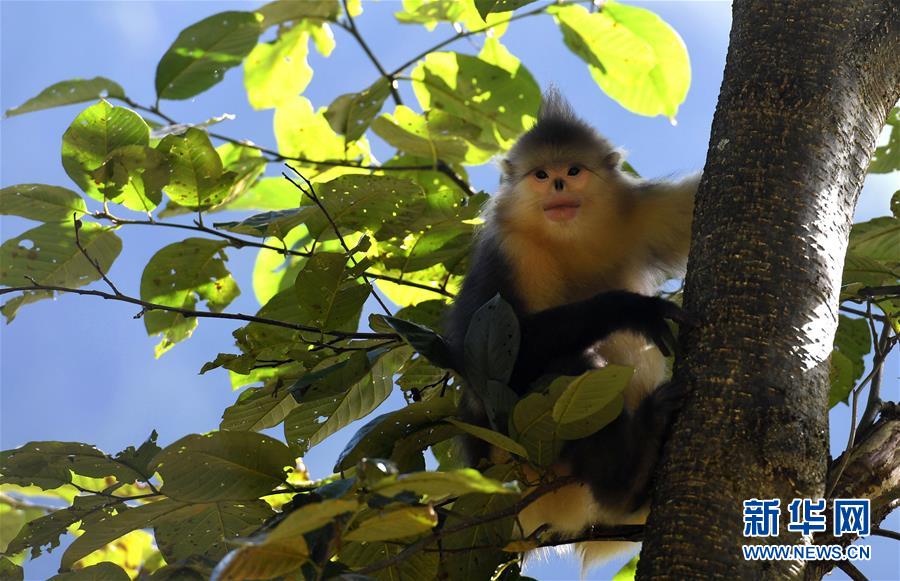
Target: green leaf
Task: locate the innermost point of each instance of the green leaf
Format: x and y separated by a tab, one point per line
104	571
207	529
421	565
425	341
133	175
486	7
47	529
68	93
878	239
862	271
258	409
841	377
632	54
178	276
222	466
109	527
10	571
352	113
48	255
41	202
497	439
287	10
399	523
470	559
326	407
378	437
98	131
853	339
139	459
464	12
262	560
628	570
501	103
591	401
311	517
492	342
202	53
886	158
437	485
197	178
410	132
330	294
278	70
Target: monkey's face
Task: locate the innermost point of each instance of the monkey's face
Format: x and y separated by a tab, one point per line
561	188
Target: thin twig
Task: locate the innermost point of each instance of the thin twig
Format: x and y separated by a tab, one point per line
147	306
883	346
853	311
237	242
886	533
89	258
310	192
354	31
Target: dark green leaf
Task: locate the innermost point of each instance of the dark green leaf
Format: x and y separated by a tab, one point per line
377	438
206	529
139	459
878	239
259	408
425	341
329	293
69	92
41	202
486	7
46	530
222	466
104	571
352	113
109	527
497	439
9	571
421	565
50	464
202	53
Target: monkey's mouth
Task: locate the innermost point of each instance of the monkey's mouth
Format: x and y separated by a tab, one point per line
562	208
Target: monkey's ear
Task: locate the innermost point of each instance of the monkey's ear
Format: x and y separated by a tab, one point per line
612	160
506	167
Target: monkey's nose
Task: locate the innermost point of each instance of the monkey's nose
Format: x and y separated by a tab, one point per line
559	184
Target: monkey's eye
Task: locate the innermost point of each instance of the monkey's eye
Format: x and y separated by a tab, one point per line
574	170
541	174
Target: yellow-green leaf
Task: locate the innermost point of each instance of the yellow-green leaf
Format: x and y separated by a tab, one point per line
436	485
41	202
278	70
394	524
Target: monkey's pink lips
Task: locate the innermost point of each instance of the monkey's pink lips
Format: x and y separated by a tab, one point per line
562	208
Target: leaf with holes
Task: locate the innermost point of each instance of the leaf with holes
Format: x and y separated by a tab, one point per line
48	255
96	133
197	177
329	292
207	529
41	202
352	113
178	276
222	466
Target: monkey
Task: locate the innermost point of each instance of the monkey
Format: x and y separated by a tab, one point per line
578	247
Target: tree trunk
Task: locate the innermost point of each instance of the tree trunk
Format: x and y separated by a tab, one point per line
807	88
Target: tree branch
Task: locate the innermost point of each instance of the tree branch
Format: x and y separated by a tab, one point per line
310	192
354	31
147	306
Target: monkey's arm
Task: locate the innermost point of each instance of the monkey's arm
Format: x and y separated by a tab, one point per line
572	328
663	214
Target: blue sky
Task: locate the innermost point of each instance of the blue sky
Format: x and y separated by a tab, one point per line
80	369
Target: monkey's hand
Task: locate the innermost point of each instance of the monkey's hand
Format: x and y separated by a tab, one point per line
645	315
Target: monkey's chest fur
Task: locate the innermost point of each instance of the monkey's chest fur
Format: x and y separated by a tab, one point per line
549	273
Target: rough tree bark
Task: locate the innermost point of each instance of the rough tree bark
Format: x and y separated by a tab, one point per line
807	88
